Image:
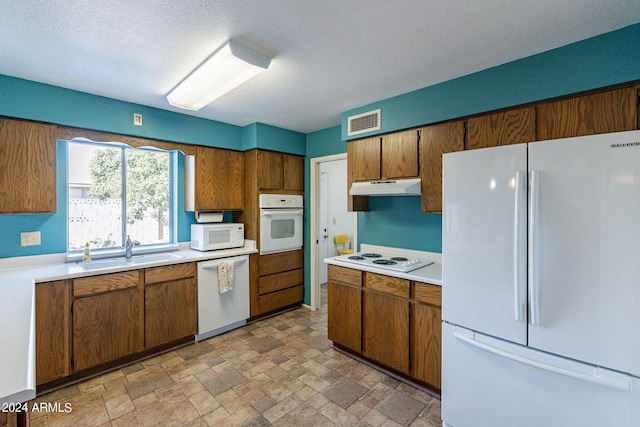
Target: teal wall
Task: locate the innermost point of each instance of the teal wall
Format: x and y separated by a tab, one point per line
601	61
36	101
605	60
259	135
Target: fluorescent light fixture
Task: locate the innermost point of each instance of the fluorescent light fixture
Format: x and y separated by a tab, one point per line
228	67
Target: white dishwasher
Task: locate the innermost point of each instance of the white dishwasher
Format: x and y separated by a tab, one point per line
222	312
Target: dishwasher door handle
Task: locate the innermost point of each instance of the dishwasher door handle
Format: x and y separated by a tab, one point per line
214	264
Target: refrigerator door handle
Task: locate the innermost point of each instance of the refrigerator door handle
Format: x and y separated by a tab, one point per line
519	255
596	377
534	286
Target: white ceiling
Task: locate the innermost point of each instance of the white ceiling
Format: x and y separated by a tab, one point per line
329	56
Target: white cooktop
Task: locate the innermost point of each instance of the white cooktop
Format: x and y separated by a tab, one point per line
393	262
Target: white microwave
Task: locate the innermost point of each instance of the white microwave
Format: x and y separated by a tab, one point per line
211	237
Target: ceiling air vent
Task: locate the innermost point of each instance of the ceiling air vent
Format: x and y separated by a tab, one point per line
365	122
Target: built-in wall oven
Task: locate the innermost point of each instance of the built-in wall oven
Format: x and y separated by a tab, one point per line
280	222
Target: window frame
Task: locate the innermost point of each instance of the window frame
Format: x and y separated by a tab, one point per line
119	251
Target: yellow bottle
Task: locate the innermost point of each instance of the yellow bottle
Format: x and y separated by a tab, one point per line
87	254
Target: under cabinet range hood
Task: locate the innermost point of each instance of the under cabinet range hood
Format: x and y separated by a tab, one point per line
395	187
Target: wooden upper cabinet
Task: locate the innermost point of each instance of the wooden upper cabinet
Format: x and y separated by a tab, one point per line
270	176
388	157
364	159
391	156
27	167
434	142
603	112
293	172
503	128
279	171
214	180
400	155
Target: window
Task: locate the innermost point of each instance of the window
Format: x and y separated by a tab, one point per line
116	191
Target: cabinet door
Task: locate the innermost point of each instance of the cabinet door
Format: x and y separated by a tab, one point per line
219	180
170	311
107	318
507	127
400	155
386	329
293	172
604	112
344	307
364	159
27	167
270	167
426	334
344	315
53	328
280	281
434	142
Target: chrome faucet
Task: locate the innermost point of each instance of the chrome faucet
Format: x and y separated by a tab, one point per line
128	246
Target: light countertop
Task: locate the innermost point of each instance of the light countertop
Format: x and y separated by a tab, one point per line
430	274
18	277
45	268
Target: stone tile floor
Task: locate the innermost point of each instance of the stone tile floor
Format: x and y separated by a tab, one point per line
280	371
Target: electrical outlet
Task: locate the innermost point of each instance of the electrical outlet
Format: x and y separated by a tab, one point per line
137	119
31	238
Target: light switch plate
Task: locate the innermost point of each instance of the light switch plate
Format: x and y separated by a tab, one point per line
31	238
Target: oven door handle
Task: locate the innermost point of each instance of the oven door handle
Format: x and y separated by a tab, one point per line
280	212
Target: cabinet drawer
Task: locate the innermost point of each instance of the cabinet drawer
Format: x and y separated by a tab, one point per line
430	294
344	275
169	273
386	284
278	281
105	283
277	263
280	299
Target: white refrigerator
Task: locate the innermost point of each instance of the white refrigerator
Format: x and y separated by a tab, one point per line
541	284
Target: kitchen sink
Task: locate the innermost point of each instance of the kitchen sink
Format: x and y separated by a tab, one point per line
134	260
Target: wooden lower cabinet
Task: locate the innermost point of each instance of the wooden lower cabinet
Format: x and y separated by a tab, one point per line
107	318
92	323
53	328
426	334
280	282
344	297
390	321
170	302
385	321
386	330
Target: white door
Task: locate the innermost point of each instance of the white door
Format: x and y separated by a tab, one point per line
484	241
323	228
586	249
